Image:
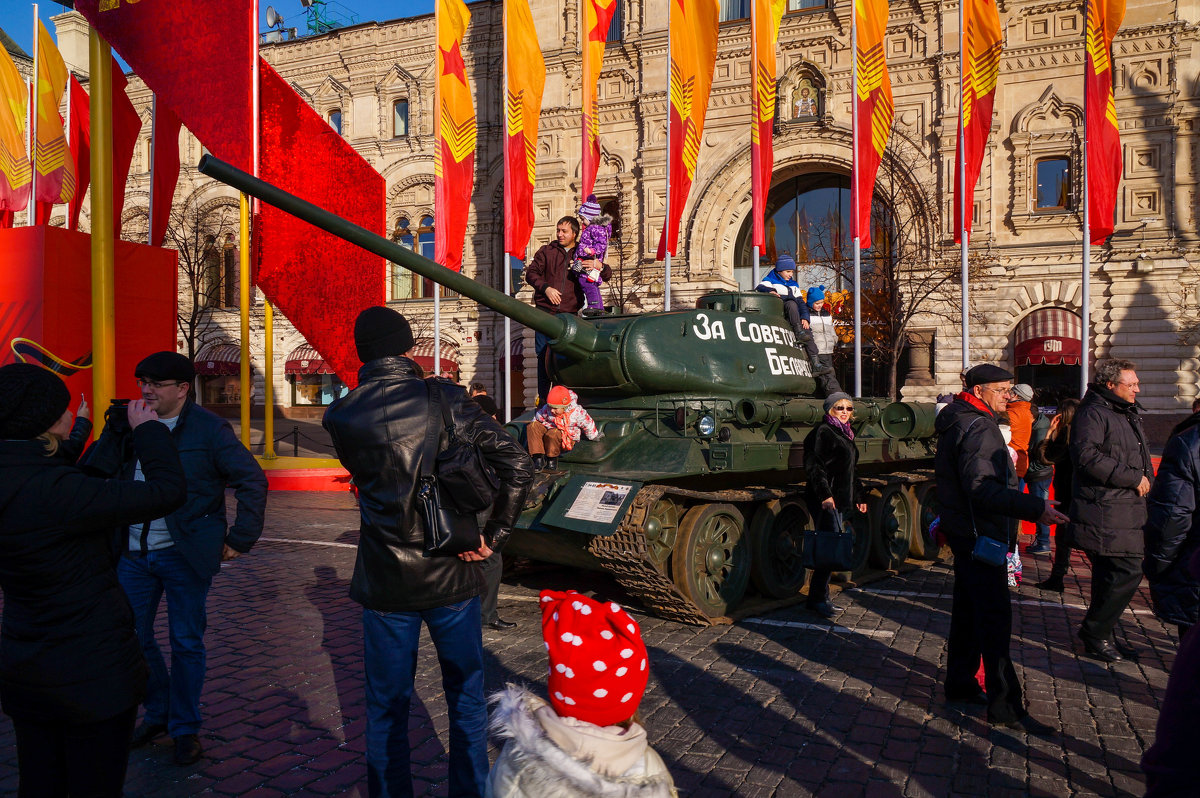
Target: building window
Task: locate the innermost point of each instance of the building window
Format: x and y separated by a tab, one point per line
400	118
1053	184
732	10
335	120
403	284
318	390
806	5
616	27
223	390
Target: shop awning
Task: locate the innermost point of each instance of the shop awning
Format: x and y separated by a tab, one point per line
516	352
1050	336
423	354
219	360
304	360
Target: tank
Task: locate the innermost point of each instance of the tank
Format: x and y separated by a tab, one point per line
693	498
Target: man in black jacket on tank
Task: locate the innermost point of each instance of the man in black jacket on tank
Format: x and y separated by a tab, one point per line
379	431
978	496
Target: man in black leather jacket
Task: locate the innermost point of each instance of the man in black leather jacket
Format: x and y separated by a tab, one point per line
978	497
378	430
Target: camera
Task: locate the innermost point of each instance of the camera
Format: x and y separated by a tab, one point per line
116	417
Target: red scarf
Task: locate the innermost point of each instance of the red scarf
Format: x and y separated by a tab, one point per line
976	402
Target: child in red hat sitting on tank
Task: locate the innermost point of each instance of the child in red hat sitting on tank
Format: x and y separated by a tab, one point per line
557	427
587	739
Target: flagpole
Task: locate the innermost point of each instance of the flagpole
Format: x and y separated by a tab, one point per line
31	213
962	190
104	347
854	200
244	254
153	147
667	226
754	154
504	266
437	289
1086	295
268	311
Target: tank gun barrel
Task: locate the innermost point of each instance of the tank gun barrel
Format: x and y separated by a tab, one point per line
567	329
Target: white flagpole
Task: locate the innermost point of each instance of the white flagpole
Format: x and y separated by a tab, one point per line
153	149
753	126
854	200
504	266
667	226
1085	337
962	191
437	289
31	212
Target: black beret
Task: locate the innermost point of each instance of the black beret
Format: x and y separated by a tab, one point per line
31	400
166	366
985	373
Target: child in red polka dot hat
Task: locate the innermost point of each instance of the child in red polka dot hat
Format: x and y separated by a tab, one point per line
586	741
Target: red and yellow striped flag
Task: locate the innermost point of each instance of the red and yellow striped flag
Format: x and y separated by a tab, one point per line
1104	19
454	131
597	15
766	15
693	29
875	109
15	175
523	110
55	178
982	45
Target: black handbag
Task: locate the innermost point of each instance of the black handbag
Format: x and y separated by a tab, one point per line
467	479
829	547
449	529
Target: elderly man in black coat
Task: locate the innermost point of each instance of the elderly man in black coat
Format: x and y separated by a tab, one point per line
978	496
1108	501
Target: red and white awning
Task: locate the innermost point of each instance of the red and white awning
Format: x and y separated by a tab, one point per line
219	360
1049	336
304	360
423	354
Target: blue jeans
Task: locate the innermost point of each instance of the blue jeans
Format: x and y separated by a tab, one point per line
172	698
390	652
1041	489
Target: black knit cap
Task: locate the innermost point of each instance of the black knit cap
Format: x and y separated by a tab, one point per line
31	400
381	332
166	366
985	373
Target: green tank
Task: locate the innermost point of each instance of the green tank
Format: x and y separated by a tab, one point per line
693	497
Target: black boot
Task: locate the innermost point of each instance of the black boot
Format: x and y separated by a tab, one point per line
1054	582
539	462
551	463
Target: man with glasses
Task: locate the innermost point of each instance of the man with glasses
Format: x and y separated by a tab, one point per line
978	498
179	555
1108	500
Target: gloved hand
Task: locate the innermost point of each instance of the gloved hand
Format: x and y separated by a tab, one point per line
496	534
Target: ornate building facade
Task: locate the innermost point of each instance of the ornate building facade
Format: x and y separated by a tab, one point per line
374	81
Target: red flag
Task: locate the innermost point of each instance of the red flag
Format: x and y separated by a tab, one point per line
875	110
127	126
317	280
81	145
454	134
982	46
1103	139
526	79
693	29
197	58
164	170
597	16
767	14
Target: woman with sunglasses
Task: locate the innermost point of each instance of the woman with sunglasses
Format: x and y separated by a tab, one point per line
830	457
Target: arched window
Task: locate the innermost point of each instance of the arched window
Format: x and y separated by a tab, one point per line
403	284
335	120
400	118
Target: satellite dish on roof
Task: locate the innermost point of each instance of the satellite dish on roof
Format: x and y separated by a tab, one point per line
273	17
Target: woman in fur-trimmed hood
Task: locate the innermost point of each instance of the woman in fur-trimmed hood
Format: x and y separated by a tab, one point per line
584	741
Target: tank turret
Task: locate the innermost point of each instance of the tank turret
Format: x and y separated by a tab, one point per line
695	492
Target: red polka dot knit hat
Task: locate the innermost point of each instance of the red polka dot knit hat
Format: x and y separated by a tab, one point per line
598	668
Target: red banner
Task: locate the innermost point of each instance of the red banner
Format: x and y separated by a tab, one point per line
693	29
982	46
164	170
198	59
80	135
317	280
875	110
454	134
766	15
523	110
127	126
1103	139
597	16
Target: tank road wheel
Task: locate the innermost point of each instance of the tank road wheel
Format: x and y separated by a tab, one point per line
922	546
777	543
662	530
895	519
711	562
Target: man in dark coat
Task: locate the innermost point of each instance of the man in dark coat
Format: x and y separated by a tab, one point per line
1172	531
978	496
180	553
379	431
554	290
1108	502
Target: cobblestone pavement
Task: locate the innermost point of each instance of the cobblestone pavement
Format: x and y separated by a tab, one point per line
780	705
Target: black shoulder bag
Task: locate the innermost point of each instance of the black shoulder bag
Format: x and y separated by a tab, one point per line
455	485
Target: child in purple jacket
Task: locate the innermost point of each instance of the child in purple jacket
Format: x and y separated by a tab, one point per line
593	243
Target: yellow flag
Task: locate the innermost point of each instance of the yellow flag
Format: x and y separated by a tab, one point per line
15	174
55	179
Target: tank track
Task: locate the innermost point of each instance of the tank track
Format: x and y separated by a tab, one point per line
625	554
